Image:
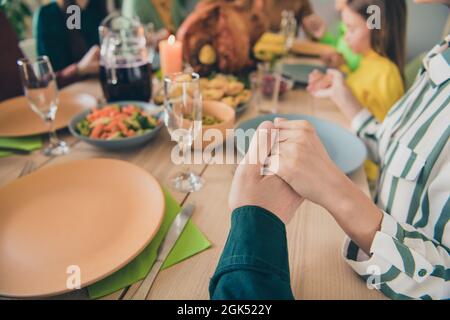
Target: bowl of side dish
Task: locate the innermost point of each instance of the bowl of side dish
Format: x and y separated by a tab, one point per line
119	125
217	124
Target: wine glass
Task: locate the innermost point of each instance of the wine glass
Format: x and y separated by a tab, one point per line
183	118
41	90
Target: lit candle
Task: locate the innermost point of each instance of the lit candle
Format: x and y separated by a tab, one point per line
170	52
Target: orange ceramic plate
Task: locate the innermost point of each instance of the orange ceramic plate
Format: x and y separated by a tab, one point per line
17	119
94	216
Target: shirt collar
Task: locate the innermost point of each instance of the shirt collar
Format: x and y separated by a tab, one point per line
437	63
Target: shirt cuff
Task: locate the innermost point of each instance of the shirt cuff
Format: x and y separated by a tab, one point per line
257	241
387	251
361	120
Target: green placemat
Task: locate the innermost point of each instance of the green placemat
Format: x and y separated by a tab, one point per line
191	242
23	143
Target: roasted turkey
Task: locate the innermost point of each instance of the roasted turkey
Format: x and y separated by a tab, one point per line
218	35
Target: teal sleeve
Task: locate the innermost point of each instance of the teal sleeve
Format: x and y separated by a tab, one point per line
254	264
50	37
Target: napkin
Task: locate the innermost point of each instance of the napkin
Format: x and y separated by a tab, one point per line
23	143
190	242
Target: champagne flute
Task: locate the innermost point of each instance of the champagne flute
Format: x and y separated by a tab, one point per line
183	118
41	90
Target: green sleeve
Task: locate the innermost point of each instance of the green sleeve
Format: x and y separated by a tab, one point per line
254	264
329	39
352	59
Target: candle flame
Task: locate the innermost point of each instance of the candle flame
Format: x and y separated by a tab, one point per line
171	39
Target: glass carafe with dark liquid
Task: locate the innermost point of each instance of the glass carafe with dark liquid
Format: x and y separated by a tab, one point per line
125	70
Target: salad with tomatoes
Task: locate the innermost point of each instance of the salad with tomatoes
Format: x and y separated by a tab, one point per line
116	122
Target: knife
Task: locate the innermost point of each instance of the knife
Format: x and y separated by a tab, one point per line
166	246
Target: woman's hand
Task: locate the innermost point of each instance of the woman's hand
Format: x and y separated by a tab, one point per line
332	85
90	63
315	26
253	186
302	161
318	81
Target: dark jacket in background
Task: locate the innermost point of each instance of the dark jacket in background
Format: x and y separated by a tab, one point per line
63	46
10	82
10	85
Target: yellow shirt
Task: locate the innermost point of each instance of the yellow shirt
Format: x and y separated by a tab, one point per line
377	84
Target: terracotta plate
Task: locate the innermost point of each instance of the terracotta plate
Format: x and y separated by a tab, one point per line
94	216
17	119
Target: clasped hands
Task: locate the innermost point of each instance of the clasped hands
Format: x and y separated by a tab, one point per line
295	168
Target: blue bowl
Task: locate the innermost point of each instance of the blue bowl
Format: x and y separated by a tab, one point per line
346	150
118	144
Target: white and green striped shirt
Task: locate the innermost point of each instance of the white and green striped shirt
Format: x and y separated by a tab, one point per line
411	251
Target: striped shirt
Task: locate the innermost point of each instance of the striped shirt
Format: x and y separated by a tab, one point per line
410	255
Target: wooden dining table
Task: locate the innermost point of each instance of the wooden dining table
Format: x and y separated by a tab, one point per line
318	270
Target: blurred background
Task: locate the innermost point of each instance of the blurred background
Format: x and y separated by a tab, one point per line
426	23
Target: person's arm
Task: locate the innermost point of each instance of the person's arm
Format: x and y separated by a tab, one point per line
87	66
333	85
367	128
403	262
67	76
254	263
329	39
352	59
411	264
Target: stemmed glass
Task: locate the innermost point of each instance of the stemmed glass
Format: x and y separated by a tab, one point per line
41	90
183	118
